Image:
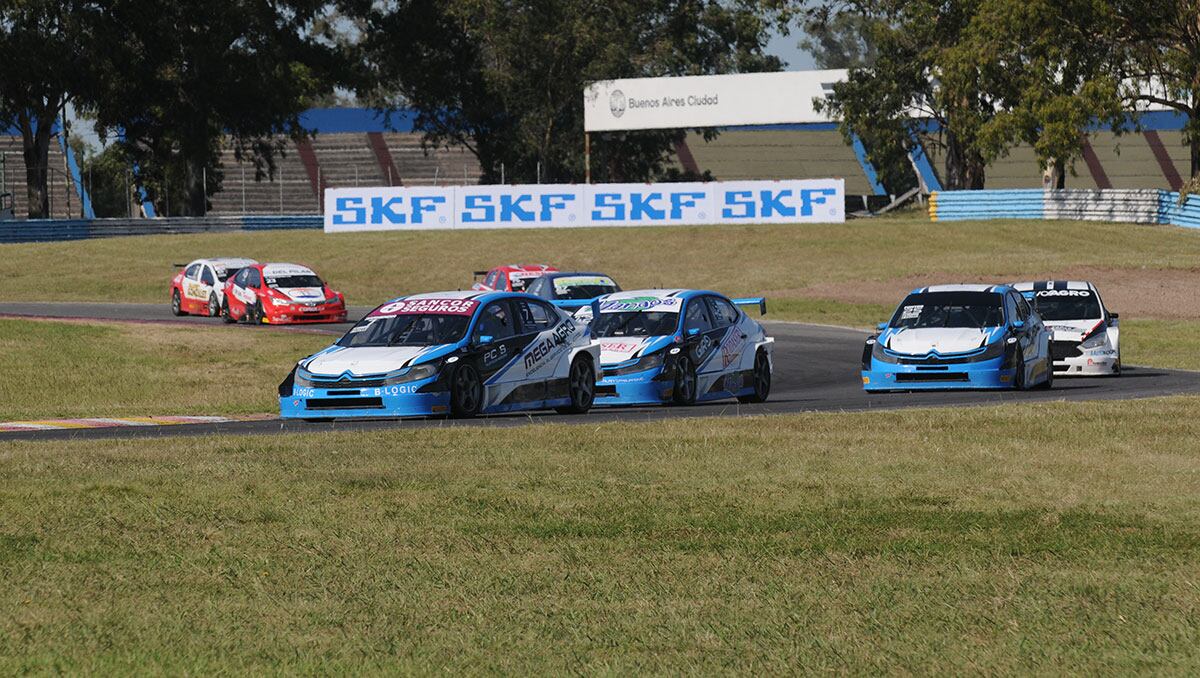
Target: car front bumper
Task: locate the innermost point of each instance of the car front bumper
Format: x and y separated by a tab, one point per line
987	374
324	313
639	388
381	402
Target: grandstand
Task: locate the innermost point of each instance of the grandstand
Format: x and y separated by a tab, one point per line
64	196
356	147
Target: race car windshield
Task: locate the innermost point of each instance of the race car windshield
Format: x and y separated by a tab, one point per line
949	309
589	290
1073	307
290	281
426	329
635	324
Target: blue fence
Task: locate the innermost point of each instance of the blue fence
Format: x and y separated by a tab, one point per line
49	230
1148	206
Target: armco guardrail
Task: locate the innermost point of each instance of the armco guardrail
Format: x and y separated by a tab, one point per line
1142	206
49	230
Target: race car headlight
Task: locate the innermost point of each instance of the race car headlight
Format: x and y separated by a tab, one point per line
647	362
1095	341
877	352
302	378
994	350
413	374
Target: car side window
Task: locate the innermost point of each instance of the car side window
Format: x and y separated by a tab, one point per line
537	288
496	321
1010	306
1023	309
239	278
192	272
536	316
253	279
697	317
492	280
723	312
207	277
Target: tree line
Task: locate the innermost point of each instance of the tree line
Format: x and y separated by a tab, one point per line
168	84
971	79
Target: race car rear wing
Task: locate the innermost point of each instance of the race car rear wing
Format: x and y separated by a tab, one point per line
760	302
478	274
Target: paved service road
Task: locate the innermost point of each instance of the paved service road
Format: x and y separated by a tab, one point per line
816	369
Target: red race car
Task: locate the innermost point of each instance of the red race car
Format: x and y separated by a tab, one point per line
199	288
510	278
279	294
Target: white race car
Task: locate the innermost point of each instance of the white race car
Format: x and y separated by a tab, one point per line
199	288
1086	335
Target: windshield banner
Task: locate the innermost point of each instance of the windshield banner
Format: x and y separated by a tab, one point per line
438	306
384	208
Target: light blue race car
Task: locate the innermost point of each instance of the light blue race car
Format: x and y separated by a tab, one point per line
959	337
449	353
679	346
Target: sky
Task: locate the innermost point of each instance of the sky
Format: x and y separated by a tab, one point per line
787	47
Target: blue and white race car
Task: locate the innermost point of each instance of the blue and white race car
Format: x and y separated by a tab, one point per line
680	346
572	290
449	353
959	336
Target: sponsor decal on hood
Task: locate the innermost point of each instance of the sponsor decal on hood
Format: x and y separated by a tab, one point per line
303	293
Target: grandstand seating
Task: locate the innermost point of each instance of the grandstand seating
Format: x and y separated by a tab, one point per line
779	154
64	200
339	159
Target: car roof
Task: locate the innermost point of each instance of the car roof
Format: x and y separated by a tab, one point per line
963	287
1053	285
226	262
566	274
530	268
659	292
283	268
475	295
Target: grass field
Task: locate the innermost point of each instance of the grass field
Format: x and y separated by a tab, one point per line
1058	538
57	369
812	272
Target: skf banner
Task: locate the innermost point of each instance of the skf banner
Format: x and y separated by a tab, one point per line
575	205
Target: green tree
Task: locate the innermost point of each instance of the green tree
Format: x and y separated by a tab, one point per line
842	40
46	49
505	78
1159	61
988	74
1047	66
189	75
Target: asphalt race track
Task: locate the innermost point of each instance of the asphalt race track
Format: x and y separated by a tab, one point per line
816	369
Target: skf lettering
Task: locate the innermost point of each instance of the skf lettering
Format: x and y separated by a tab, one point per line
355	210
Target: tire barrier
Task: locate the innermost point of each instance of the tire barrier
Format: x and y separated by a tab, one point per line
50	230
1139	206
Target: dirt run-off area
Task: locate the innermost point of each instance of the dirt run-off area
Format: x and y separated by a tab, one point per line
1170	294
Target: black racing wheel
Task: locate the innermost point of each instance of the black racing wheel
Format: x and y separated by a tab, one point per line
214	307
581	385
762	379
225	313
684	392
176	303
466	392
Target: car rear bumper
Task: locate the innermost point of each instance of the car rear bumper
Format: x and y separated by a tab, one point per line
1096	364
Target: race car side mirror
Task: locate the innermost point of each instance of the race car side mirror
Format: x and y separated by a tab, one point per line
1018	324
1113	316
485	339
881	326
693	331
